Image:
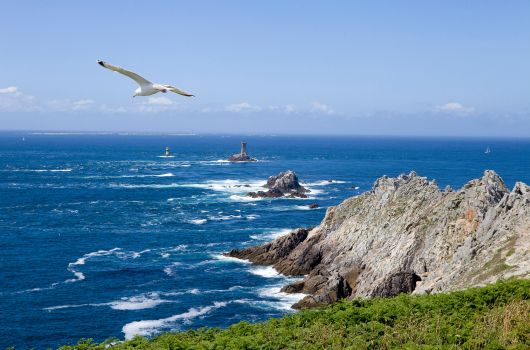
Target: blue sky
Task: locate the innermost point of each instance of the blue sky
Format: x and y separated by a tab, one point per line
316	67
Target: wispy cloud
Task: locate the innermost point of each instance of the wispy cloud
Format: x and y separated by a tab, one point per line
317	107
242	107
12	99
82	104
160	101
12	90
454	107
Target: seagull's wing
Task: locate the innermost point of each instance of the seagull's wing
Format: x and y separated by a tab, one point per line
138	79
178	91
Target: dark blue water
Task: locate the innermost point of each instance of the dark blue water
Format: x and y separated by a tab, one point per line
100	236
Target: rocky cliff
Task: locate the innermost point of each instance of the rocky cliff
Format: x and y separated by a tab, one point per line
405	235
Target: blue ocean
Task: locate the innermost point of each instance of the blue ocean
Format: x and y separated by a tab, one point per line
103	236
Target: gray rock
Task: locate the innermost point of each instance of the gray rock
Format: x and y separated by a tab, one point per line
407	236
284	184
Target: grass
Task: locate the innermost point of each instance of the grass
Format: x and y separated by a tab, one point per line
493	317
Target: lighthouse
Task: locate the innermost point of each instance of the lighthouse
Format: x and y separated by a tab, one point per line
243	150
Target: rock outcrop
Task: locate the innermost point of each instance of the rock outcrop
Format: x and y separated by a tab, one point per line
284	184
407	236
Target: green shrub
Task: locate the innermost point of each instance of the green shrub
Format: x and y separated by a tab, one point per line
491	317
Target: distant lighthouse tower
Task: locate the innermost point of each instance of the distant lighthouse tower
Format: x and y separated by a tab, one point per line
243	149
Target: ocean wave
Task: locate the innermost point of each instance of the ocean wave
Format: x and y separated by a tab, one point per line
150	327
264	271
224	217
229	259
270	235
156	186
66	170
323	183
79	276
284	301
138	302
197	221
229	185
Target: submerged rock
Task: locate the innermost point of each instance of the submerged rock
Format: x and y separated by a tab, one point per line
406	236
313	206
284	184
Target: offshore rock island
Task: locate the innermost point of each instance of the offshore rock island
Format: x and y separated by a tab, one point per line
284	184
406	236
242	156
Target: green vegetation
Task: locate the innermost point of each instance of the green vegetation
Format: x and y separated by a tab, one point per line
492	317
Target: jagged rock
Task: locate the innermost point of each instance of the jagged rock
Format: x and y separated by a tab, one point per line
407	236
313	206
284	184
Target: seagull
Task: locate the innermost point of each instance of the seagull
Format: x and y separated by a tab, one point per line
146	87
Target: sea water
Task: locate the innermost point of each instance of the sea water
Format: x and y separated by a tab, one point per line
101	235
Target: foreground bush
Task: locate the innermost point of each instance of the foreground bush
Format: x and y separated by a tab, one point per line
492	317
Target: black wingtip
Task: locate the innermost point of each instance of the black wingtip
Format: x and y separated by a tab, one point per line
101	63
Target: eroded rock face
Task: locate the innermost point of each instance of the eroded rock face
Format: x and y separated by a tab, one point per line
407	236
284	184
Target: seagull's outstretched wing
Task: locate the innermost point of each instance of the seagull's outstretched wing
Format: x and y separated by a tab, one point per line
178	91
138	79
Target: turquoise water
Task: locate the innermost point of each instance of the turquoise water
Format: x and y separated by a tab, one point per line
102	236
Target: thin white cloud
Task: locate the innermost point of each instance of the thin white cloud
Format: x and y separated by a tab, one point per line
106	109
454	107
242	107
81	104
10	90
12	99
160	101
283	109
69	105
317	107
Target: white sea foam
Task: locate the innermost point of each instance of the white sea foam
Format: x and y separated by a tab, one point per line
156	186
323	183
168	270
283	301
252	217
229	259
197	221
72	267
138	302
270	235
150	327
66	170
224	217
264	271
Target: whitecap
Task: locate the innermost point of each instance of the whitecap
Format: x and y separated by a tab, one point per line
197	221
138	302
264	271
270	235
72	267
150	327
323	183
252	217
229	259
283	301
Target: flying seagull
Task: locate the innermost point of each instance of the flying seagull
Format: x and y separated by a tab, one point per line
146	87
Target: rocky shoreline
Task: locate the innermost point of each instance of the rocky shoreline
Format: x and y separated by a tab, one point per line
406	236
